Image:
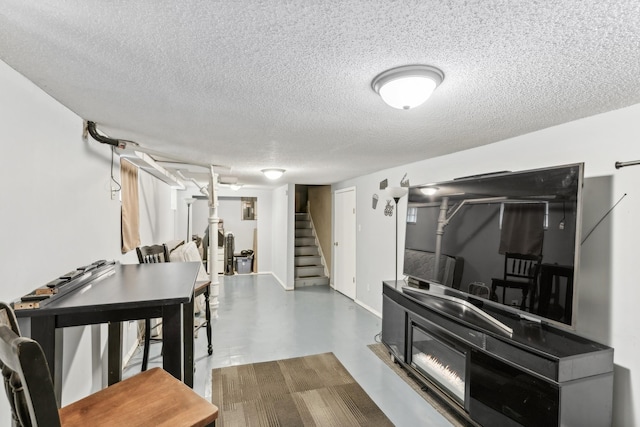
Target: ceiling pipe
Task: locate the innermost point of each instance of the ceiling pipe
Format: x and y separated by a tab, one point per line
118	143
203	189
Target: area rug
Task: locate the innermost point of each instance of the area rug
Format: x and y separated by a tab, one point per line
304	391
383	353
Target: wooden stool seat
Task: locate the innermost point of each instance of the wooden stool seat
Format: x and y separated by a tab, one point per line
151	398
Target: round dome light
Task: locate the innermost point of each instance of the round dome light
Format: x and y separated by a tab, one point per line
273	173
408	86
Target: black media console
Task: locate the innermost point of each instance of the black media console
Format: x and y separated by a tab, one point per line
494	367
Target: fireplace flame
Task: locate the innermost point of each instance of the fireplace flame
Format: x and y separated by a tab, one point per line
440	372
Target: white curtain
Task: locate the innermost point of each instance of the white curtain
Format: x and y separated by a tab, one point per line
130	210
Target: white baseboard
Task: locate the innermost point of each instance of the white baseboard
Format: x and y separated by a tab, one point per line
366	307
279	281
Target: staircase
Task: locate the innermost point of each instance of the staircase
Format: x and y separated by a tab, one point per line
309	270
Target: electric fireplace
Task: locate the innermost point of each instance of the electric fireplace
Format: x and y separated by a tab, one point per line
494	366
440	362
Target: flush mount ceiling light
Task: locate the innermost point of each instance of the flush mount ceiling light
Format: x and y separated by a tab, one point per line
408	86
273	173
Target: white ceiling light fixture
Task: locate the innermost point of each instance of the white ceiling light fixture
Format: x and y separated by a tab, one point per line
272	173
408	86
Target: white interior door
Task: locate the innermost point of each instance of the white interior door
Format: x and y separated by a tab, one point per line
345	242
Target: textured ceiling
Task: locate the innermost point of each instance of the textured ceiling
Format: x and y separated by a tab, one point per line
256	84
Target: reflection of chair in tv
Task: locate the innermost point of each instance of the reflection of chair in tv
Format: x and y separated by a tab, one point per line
520	272
421	265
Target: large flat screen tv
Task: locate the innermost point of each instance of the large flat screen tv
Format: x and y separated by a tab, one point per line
507	239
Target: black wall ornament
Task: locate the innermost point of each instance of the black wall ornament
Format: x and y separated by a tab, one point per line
388	210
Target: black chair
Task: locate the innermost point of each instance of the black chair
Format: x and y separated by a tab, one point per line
204	288
150	255
160	253
159	397
520	272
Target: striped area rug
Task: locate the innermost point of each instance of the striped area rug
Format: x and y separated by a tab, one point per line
304	391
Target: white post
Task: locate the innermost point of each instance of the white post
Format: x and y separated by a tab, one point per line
213	243
189	220
442	223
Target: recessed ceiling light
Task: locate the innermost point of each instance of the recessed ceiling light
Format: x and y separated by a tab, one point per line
272	173
408	86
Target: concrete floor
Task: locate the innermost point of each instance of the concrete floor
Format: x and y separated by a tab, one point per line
259	321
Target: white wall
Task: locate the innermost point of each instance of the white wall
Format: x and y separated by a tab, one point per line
56	212
200	217
244	235
608	295
230	209
283	242
157	221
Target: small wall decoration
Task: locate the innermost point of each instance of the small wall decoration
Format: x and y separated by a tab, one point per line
384	184
388	210
404	182
375	201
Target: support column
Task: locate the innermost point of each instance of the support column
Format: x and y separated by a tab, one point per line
213	243
189	220
442	223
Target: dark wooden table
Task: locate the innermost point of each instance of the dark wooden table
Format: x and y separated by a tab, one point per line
131	292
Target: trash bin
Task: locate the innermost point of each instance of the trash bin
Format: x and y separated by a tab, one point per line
244	264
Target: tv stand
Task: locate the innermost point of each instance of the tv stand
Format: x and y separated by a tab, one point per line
527	374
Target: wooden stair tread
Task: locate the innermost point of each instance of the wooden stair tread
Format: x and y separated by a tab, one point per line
153	397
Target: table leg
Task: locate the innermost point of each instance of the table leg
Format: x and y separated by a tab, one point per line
207	311
43	330
172	340
114	353
188	336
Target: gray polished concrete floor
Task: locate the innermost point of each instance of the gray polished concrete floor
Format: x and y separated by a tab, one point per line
259	321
